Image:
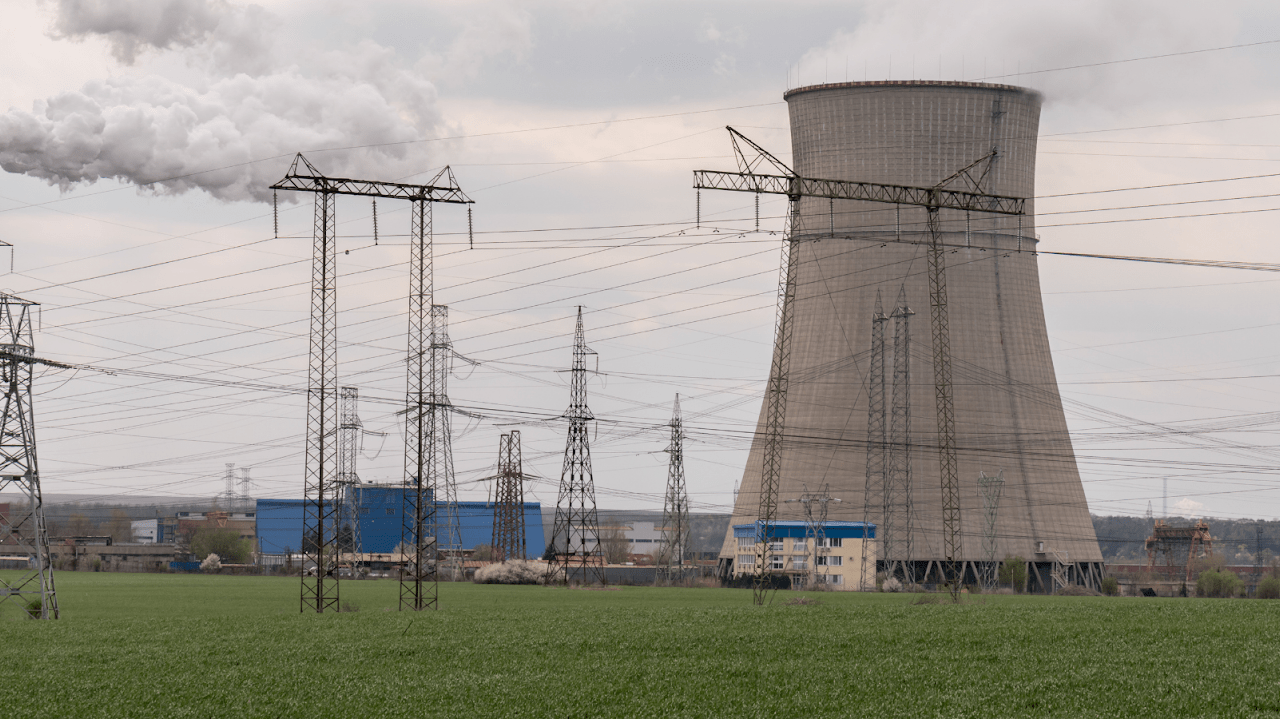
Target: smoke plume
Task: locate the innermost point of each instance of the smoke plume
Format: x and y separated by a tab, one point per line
171	133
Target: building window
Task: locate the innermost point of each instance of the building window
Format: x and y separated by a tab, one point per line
830	561
745	541
776	562
799	564
833	578
833	541
746	560
776	546
391	511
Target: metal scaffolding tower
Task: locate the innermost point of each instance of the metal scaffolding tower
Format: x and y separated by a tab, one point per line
899	509
675	508
31	590
350	433
447	528
320	497
508	502
933	199
575	535
991	488
875	504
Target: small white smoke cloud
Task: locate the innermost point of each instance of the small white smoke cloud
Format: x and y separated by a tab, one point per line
229	103
1188	507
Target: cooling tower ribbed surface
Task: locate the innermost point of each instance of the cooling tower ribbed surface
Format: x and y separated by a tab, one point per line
1008	413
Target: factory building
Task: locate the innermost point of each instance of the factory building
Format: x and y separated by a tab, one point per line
381	517
856	260
845	560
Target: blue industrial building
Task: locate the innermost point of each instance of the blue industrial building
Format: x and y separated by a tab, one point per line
798	530
381	521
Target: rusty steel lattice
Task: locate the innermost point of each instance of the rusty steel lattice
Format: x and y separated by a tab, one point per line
321	500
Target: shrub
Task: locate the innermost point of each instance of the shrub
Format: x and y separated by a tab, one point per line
1013	573
34	608
211	563
511	572
1110	587
224	542
1269	588
1218	584
891	585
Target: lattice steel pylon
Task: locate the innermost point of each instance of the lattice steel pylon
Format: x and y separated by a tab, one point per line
508	501
575	535
350	433
320	587
991	488
874	499
448	530
933	199
675	507
899	508
31	591
815	528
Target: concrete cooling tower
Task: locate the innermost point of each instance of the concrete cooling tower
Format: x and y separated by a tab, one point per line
863	264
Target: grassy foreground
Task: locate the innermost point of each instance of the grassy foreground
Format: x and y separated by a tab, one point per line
155	645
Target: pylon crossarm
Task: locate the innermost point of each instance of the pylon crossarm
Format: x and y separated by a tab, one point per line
310	180
795	186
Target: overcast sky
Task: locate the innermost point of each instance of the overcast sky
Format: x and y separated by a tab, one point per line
575	126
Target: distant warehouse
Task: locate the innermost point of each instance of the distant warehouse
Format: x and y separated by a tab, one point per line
381	520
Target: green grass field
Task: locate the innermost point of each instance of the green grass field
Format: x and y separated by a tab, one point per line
159	645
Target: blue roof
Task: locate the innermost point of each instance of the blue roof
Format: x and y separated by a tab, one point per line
799	530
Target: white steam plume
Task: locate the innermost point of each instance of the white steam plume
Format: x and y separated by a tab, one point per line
243	106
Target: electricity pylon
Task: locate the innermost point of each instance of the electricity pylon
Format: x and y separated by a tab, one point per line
675	508
31	589
508	501
320	495
933	199
874	498
350	434
900	508
575	535
815	527
991	488
448	530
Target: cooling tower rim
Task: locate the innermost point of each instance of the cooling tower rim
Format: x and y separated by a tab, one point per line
907	84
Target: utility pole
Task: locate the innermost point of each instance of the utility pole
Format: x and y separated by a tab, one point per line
320	517
31	590
675	508
933	199
575	535
815	527
991	488
508	505
874	492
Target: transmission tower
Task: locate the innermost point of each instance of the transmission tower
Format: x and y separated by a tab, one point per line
900	509
31	590
575	535
815	527
874	498
448	531
350	434
991	488
245	497
508	504
675	509
320	501
933	199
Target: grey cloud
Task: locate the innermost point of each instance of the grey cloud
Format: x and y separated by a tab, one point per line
131	26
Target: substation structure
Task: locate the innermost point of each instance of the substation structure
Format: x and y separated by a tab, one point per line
322	488
919	191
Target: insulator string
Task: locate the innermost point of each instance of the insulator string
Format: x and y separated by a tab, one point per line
699	211
275	213
471	239
375	222
757	212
